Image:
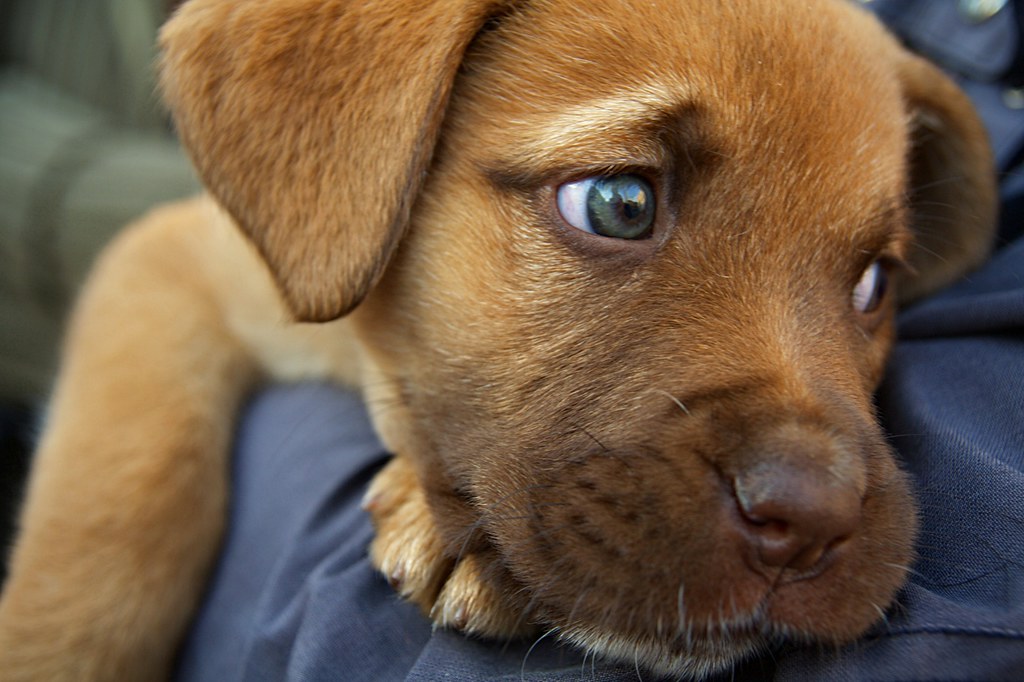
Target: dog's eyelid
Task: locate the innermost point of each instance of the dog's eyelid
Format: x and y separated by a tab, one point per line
508	179
889	262
523	179
893	254
885	236
896	263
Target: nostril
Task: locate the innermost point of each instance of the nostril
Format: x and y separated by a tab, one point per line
792	516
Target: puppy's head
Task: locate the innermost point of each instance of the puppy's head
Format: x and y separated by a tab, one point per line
626	274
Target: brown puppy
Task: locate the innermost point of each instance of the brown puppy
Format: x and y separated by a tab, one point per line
620	274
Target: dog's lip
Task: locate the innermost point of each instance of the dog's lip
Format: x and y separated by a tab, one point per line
755	623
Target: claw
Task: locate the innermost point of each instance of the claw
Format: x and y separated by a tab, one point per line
397	578
409	551
371	503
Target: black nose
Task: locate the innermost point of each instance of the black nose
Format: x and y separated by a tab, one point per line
792	515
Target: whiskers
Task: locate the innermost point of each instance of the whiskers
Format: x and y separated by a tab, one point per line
674	399
492	512
636	663
526	656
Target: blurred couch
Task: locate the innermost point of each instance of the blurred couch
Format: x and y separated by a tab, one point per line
85	148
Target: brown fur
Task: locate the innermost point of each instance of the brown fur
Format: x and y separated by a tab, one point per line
573	416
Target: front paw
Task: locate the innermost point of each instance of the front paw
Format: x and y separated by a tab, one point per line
471	603
407	548
455	592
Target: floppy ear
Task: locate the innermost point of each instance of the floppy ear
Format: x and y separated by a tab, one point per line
313	123
952	185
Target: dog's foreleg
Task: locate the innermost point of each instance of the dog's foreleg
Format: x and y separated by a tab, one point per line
126	501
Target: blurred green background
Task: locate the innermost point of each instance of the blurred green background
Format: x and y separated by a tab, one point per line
85	147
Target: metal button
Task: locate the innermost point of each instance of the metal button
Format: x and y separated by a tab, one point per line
1013	98
977	11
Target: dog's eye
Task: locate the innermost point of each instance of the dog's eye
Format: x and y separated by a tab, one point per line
619	206
870	290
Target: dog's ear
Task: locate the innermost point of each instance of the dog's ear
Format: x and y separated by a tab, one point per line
952	185
313	123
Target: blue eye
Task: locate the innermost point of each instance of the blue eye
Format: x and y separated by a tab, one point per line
617	206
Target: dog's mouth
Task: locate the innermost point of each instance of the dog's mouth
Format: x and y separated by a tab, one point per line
688	648
658	561
750	618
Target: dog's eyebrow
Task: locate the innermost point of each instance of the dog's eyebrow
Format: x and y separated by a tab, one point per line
639	110
893	216
884	228
637	130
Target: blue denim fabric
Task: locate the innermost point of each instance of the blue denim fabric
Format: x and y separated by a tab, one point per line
294	596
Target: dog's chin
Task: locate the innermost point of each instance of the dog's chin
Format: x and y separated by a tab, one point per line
692	652
699	650
688	654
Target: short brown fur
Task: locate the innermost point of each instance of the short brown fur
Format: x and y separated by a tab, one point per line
574	417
